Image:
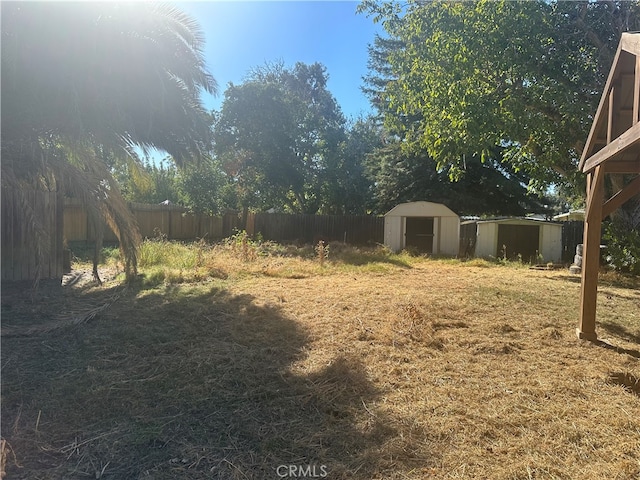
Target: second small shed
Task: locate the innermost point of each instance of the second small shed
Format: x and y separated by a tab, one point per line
525	239
427	227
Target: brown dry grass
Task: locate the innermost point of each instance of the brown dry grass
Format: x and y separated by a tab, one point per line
396	368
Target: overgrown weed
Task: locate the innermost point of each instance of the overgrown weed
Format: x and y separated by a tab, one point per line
433	369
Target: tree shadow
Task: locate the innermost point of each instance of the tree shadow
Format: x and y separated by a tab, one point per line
361	260
620	331
338	252
620	350
628	283
184	382
626	380
567	278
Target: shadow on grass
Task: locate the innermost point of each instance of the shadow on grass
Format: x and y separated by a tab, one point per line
183	382
624	351
626	380
339	253
620	331
362	259
606	279
567	278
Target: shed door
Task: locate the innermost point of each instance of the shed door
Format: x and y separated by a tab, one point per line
419	234
519	239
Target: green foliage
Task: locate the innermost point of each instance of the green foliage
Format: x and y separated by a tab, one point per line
206	188
144	90
282	142
353	188
622	237
162	252
83	85
150	182
489	187
243	246
201	187
458	79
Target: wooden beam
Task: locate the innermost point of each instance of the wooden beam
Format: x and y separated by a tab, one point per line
627	139
594	183
630	42
627	193
588	148
636	93
591	255
613	93
622	166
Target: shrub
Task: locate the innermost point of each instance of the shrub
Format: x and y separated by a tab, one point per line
622	236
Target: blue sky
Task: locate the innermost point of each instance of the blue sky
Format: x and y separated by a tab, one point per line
241	35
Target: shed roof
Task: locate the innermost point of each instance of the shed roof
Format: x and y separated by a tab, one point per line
421	209
570	216
513	219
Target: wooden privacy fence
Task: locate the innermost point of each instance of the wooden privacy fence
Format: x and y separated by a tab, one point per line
177	223
31	227
571	236
301	228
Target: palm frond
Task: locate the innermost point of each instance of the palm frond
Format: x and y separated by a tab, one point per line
81	78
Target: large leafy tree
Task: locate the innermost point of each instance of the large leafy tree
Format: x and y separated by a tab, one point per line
488	187
458	79
84	83
279	136
352	189
152	182
201	187
206	188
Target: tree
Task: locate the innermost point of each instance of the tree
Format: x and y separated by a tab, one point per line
351	190
458	79
280	136
206	188
83	83
151	182
489	187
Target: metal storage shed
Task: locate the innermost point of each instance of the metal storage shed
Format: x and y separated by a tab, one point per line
527	239
425	226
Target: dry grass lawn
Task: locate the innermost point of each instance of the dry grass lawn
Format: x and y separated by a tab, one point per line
380	367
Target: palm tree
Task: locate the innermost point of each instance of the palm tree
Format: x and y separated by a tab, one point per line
83	83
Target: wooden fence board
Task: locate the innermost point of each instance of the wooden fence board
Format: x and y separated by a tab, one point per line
353	229
8	227
75	223
175	222
19	254
572	233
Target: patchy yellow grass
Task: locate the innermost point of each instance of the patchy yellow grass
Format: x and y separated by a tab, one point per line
379	367
478	370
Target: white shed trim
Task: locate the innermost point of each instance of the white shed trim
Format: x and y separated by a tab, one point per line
445	231
417	209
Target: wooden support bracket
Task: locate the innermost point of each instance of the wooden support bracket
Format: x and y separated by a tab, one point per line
623	142
629	191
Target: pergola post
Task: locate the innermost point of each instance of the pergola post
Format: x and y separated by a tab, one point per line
613	147
591	255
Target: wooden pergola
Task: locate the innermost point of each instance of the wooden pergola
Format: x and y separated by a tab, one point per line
613	147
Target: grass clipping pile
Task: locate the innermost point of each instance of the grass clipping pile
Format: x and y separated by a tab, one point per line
372	366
